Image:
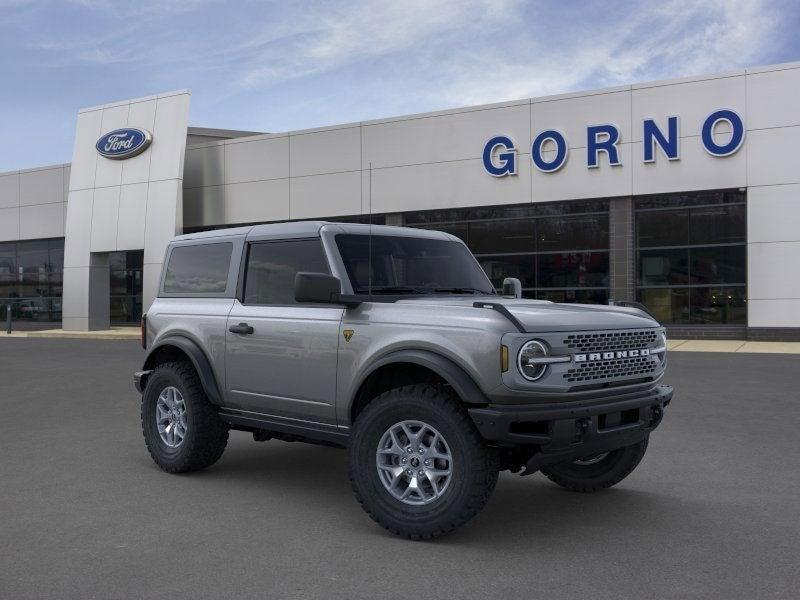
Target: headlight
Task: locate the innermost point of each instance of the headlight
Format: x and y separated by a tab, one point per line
527	359
662	342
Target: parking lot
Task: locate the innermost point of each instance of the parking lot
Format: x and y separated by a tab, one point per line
712	512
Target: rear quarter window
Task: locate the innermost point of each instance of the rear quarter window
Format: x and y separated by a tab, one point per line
198	269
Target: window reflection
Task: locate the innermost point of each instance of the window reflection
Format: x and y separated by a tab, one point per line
31	275
125	270
692	258
559	250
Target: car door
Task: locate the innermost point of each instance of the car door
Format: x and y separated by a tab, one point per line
282	356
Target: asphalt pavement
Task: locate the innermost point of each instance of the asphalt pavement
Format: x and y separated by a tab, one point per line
713	511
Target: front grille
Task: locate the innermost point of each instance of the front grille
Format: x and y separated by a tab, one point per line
612	340
616	368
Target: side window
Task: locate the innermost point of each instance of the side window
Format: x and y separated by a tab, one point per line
198	269
272	266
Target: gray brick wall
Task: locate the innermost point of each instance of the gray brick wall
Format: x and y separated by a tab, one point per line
622	253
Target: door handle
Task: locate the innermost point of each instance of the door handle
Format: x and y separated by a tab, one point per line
242	328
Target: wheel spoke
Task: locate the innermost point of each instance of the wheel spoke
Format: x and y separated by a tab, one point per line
433	483
396	441
407	492
436	473
409	434
397	477
393	451
422	434
170	416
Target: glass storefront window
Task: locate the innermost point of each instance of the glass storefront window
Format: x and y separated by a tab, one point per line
8	258
718	264
724	224
31	274
125	269
662	228
692	257
587	232
718	305
569	296
557	250
573	269
668	305
664	267
496	237
523	267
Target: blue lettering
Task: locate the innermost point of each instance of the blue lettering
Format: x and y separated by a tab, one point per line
652	135
602	138
507	158
561	151
737	126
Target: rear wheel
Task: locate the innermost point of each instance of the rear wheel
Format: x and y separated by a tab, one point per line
417	464
182	430
597	472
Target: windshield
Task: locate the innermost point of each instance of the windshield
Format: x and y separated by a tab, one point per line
411	265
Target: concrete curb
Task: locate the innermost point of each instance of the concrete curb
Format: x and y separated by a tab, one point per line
115	333
739	346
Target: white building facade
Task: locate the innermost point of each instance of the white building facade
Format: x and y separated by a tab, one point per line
683	195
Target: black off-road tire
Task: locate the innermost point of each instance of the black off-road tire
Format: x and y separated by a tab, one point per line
612	469
207	434
475	466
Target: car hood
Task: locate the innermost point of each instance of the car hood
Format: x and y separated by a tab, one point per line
543	316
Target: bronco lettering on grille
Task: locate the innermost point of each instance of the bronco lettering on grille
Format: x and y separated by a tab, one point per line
611	355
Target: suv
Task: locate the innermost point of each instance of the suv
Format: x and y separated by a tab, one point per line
392	342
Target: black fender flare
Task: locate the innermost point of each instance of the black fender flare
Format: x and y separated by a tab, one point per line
461	382
200	361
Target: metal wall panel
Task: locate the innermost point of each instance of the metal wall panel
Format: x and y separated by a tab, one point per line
9	190
325	151
258	160
43	186
9	224
41	221
122	204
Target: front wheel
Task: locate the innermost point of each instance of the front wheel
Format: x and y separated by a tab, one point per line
181	428
417	464
597	472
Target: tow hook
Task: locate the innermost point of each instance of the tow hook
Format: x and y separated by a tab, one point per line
656	414
581	427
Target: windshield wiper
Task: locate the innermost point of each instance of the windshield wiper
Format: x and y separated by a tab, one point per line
393	289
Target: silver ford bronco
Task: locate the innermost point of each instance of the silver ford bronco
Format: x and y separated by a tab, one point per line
392	343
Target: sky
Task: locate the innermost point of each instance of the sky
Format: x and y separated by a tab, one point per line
284	65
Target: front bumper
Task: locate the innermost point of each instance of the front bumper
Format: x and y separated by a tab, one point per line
568	431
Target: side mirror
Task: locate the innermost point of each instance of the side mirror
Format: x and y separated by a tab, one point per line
512	287
320	288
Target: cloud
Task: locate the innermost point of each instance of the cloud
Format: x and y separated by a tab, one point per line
474	52
470	51
325	39
672	40
274	65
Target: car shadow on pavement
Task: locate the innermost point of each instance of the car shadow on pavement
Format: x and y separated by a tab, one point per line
520	508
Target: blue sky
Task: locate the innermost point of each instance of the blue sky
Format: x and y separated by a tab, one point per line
276	66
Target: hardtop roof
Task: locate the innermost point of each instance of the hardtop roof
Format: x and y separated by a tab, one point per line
308	229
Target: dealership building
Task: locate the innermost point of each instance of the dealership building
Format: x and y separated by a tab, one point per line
683	195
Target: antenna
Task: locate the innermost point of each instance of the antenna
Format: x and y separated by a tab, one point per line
369	245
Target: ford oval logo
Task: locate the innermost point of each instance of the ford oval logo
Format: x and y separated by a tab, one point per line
123	143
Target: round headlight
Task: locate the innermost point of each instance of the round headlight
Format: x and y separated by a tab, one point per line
532	350
662	341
